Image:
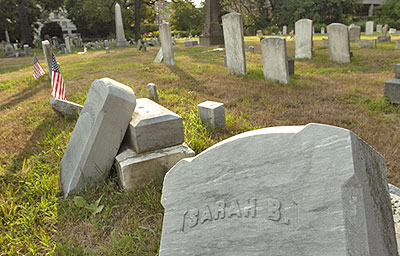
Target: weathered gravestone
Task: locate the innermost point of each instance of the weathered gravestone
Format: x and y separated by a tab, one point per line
325	42
65	108
119	27
339	44
274	58
212	32
260	34
191	43
385	37
26	50
212	113
354	33
291	66
392	87
369	28
56	45
370	43
379	28
313	190
234	43
47	54
323	30
9	51
166	44
397	47
153	95
68	47
97	135
159	57
284	30
303	41
392	31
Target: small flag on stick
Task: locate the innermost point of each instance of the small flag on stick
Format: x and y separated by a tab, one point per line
57	82
37	68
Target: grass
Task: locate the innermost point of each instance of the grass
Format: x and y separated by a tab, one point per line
34	220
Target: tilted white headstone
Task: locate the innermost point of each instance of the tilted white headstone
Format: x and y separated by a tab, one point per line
166	44
119	27
234	43
159	57
339	43
303	41
47	54
97	135
274	58
313	190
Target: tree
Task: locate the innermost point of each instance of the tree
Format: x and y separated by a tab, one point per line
185	16
389	13
51	29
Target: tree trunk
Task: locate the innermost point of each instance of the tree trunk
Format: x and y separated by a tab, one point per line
26	31
137	19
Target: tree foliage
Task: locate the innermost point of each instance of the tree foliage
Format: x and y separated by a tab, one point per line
389	13
185	16
51	29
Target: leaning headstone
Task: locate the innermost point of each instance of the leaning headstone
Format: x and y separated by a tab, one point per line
26	50
153	95
397	47
47	54
369	28
91	150
68	47
303	42
284	30
379	28
385	30
339	43
234	43
354	33
166	44
153	127
212	113
313	190
274	58
119	27
159	56
370	43
251	49
65	108
392	87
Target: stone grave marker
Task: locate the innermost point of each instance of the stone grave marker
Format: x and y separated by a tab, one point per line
9	51
379	28
153	95
291	66
303	41
323	30
212	113
392	87
284	30
159	57
65	108
369	28
339	43
119	27
313	190
47	54
260	34
166	44
56	45
212	32
68	48
392	31
370	43
274	58
191	43
354	33
234	43
26	50
251	49
325	42
397	47
97	135
385	30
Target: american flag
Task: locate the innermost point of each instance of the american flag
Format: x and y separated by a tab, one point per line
57	82
37	68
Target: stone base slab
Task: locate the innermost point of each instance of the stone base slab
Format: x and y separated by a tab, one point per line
392	90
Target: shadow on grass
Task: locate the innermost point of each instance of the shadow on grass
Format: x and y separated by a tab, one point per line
190	81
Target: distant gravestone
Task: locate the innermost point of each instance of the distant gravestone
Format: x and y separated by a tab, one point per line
191	43
274	58
91	150
313	190
234	43
212	113
392	87
339	43
153	95
56	45
47	54
303	41
385	30
371	43
323	30
325	42
251	49
392	31
284	30
260	34
369	28
354	33
9	50
397	47
119	27
166	44
26	50
379	28
68	47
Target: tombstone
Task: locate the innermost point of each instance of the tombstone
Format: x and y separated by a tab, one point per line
16	48
166	44
212	114
79	40
274	58
385	30
56	45
291	66
354	33
68	48
339	43
107	49
159	56
397	47
369	28
234	43
392	87
7	37
383	39
371	43
251	49
392	31
323	30
65	108
119	27
325	42
191	43
97	45
225	62
106	43
153	95
9	51
313	190
260	34
91	150
303	42
284	30
26	50
379	28
47	54
212	32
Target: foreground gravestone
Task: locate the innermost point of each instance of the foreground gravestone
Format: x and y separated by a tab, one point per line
234	43
303	42
392	87
97	135
119	27
339	44
47	54
274	58
369	28
212	113
313	190
166	44
65	108
354	33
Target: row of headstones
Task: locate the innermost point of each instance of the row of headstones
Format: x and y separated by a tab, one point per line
369	29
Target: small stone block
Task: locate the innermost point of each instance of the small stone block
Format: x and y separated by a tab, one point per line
212	113
153	127
191	43
383	39
65	108
137	169
392	90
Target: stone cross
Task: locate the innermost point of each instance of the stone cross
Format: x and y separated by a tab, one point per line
47	54
303	41
339	43
119	27
234	43
275	60
212	32
369	28
313	190
166	44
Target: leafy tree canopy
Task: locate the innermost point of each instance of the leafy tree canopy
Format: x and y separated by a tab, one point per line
185	16
389	13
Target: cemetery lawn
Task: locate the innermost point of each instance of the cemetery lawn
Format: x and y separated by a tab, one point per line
105	220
